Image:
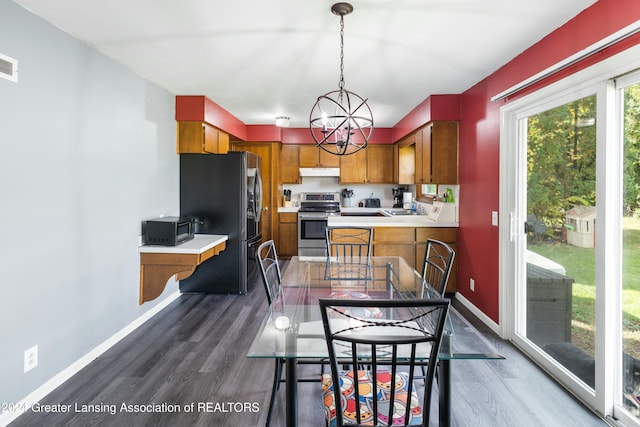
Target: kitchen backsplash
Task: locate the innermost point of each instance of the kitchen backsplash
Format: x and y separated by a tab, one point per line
361	191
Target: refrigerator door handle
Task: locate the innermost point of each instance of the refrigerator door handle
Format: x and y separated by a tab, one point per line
257	192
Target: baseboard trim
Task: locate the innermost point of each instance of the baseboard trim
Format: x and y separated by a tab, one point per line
79	364
479	314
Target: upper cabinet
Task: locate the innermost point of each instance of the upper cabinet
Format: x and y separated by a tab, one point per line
289	164
436	153
372	165
201	138
406	162
312	156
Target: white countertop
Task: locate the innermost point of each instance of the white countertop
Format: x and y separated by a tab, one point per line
387	221
199	244
354	209
293	209
379	221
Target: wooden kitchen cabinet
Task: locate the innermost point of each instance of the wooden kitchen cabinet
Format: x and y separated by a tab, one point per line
372	165
411	244
448	235
287	244
289	164
353	167
395	241
201	138
312	156
380	164
405	160
437	153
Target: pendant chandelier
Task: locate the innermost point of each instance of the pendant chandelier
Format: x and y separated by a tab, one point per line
341	121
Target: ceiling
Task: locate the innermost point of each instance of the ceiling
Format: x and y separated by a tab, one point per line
259	59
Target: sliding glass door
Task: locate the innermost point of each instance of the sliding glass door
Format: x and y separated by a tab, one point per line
559	293
630	302
570	254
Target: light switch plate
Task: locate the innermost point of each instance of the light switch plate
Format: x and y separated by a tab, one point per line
494	218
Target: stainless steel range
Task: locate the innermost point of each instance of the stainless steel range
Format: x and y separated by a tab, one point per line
315	209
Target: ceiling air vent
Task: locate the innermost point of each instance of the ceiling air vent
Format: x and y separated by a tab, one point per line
8	68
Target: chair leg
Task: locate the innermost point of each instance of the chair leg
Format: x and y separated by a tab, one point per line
277	374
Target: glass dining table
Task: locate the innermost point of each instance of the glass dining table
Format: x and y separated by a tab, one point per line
292	328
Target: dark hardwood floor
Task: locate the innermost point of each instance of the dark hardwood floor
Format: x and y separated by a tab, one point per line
193	353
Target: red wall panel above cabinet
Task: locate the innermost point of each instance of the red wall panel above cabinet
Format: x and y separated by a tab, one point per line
199	108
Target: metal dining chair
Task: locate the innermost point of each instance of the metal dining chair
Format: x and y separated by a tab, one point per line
271	275
267	259
387	351
348	253
436	269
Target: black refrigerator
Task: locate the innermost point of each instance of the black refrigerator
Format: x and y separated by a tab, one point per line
222	193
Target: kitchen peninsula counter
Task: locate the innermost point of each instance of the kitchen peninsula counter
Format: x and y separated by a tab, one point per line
387	221
404	235
368	219
159	263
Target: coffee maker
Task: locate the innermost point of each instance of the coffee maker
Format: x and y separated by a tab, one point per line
397	196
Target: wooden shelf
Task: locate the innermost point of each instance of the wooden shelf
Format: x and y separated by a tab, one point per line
159	263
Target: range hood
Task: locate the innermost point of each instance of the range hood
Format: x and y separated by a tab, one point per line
332	172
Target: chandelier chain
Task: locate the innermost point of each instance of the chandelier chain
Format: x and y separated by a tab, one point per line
341	82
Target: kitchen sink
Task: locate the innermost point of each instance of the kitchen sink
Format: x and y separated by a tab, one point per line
361	214
387	212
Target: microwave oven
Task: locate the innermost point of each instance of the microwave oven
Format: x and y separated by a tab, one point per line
167	231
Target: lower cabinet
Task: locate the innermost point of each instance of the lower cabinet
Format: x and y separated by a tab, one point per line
411	244
395	241
287	245
446	235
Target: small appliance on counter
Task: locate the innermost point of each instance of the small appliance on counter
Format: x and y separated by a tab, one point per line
397	196
167	231
371	202
407	200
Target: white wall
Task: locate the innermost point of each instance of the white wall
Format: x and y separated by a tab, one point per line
87	151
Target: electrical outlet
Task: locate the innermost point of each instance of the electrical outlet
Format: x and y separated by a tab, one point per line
30	358
472	285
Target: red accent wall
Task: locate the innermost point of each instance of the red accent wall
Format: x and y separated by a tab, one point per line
435	107
266	133
201	108
480	139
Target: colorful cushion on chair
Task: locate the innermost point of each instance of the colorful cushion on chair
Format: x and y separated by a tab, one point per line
361	312
348	400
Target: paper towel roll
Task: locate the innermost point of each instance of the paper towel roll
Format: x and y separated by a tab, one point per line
407	198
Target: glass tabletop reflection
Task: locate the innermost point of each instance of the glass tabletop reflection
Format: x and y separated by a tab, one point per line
292	326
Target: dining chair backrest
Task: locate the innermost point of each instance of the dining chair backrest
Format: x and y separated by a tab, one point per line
436	269
348	252
349	243
386	351
267	259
